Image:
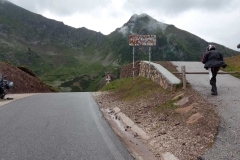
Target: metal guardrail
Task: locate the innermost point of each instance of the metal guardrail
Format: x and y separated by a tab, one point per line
183	72
206	73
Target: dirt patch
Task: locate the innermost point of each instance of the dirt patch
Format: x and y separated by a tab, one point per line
23	81
179	122
127	70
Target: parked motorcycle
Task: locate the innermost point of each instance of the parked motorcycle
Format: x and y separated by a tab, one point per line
4	85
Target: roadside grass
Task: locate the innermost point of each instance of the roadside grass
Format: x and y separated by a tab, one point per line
168	105
233	65
131	89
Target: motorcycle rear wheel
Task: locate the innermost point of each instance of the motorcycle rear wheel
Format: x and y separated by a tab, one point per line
2	95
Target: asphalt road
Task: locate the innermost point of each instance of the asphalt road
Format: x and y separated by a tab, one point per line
227	143
57	126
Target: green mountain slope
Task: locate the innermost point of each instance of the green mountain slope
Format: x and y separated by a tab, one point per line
172	43
77	59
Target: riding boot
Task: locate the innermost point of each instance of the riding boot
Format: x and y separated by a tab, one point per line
215	90
213	80
214	87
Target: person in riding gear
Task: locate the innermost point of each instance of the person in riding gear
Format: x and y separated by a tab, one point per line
213	60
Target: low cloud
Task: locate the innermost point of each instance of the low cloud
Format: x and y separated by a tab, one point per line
177	7
124	30
151	25
62	7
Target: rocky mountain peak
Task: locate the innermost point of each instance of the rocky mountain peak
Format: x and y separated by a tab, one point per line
136	17
142	24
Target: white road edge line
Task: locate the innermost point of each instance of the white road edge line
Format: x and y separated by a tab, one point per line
108	141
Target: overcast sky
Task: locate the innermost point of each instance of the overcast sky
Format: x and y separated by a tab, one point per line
212	20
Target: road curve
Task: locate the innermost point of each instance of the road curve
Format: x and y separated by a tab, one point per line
227	144
57	126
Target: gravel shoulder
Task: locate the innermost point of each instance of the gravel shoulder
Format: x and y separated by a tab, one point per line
186	131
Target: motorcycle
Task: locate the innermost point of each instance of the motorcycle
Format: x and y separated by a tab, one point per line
4	85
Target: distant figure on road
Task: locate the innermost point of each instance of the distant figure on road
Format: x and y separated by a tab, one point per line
213	60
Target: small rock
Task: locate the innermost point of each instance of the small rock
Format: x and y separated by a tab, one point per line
152	142
186	109
177	124
162	132
194	118
157	155
177	97
182	101
135	135
138	121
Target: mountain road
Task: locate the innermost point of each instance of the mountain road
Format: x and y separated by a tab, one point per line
57	126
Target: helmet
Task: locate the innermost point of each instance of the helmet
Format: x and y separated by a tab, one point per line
9	85
211	47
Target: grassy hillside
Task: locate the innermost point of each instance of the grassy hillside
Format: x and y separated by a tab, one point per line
131	89
233	65
75	59
172	43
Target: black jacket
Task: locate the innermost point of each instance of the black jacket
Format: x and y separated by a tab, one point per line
213	59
